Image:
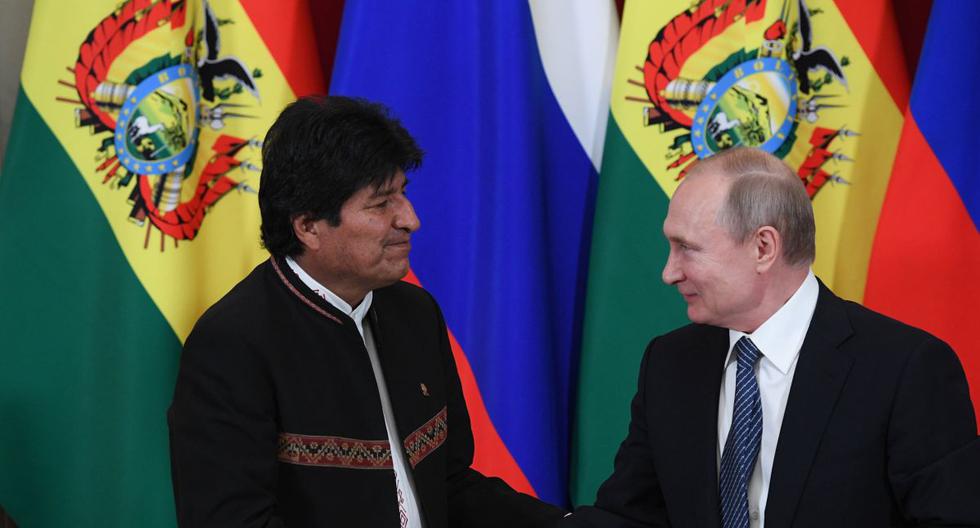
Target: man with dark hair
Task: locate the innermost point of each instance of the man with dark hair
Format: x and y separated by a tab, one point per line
321	390
783	405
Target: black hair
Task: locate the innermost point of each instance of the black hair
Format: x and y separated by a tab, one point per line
319	152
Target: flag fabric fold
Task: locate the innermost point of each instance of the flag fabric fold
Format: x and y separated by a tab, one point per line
694	79
127	207
554	138
927	245
504	197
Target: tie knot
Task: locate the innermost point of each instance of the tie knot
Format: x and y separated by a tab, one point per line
747	351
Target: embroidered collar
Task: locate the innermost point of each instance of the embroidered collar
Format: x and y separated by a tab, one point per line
356	314
309	300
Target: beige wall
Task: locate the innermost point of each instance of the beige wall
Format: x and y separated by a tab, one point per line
15	17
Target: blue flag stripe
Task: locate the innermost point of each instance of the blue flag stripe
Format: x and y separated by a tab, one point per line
950	65
504	196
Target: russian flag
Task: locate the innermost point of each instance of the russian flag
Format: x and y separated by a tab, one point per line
509	100
927	247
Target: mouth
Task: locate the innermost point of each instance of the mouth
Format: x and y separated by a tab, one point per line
399	246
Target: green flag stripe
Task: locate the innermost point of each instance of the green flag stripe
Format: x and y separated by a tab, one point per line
88	362
626	305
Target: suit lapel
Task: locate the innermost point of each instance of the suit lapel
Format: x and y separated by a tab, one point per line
820	374
705	390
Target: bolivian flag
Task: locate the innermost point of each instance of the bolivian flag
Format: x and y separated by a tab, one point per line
823	85
127	207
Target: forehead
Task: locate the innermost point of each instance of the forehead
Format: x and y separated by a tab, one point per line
697	201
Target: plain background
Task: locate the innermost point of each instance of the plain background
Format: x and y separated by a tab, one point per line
14	22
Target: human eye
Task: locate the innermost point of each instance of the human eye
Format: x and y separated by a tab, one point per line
686	247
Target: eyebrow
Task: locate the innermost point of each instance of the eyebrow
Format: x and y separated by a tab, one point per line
679	240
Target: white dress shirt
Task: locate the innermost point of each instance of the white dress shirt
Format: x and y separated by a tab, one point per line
779	339
404	485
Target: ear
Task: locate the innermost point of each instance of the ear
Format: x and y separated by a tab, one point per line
307	230
767	246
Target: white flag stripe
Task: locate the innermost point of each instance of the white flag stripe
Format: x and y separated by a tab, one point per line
577	41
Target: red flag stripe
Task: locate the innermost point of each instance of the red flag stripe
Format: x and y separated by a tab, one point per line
926	252
287	30
491	456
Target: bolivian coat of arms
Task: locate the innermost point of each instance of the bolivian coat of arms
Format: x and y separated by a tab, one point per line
772	96
154	81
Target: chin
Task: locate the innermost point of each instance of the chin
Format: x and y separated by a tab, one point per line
399	273
697	316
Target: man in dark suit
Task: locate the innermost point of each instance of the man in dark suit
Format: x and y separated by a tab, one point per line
322	391
783	405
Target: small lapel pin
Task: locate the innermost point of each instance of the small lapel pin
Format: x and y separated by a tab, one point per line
425	390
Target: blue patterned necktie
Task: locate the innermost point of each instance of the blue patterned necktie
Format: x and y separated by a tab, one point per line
744	438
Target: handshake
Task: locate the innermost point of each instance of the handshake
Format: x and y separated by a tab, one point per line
322	390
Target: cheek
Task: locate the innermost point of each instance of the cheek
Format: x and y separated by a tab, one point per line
372	252
714	283
736	290
703	272
366	244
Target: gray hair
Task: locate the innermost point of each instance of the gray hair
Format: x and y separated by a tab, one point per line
764	191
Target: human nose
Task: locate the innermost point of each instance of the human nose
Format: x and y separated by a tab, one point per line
672	272
406	218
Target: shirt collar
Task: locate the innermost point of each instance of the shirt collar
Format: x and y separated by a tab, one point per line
357	314
781	336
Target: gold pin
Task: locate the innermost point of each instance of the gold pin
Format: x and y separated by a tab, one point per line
425	390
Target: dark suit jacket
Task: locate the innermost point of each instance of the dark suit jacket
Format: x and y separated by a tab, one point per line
276	418
878	431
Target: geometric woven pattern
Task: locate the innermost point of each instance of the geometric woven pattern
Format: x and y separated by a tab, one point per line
427	438
334	451
338	451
